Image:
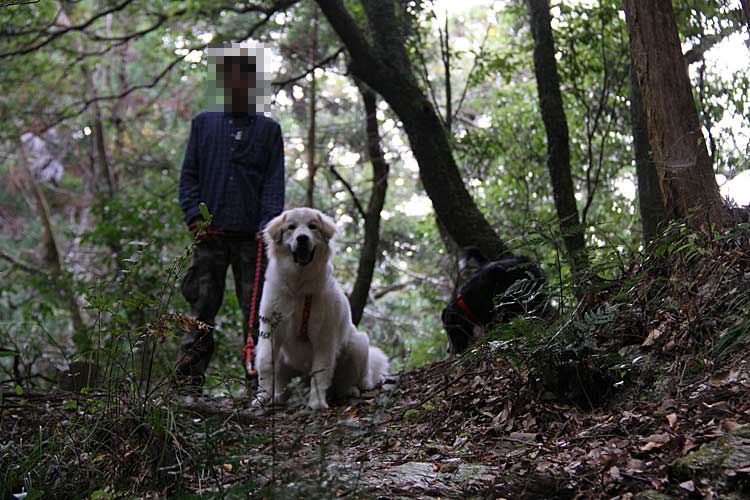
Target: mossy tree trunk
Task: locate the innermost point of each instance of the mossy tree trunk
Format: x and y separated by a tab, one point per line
685	171
649	193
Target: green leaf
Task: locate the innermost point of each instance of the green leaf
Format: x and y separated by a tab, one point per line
204	211
19	390
34	495
7	354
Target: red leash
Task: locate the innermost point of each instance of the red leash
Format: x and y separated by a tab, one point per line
249	349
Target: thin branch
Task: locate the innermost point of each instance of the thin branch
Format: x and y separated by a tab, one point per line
83	106
381	292
348	187
471	73
124	38
24	266
256	8
12	3
57	34
413	274
323	62
425	75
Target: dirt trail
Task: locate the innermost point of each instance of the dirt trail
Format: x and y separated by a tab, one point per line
457	429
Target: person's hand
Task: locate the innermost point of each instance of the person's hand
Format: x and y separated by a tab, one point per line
194	224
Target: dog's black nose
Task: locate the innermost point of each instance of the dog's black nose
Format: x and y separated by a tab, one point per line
303	238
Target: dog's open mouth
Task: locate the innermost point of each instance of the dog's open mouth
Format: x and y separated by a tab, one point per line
303	255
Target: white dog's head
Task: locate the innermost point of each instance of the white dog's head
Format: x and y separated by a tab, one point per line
301	234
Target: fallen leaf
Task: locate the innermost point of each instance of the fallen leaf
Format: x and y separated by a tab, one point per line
523	436
688	486
689	445
635	465
658	438
459	441
529	422
730	424
393	444
724	378
614	471
652	337
450	467
672	419
651	445
655	441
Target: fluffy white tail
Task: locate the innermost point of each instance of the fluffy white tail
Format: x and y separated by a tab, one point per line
377	368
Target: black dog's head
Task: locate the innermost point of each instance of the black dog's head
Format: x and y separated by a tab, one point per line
499	291
460	330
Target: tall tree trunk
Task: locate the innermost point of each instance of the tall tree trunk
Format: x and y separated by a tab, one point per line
556	126
649	193
119	107
53	257
311	139
369	252
380	60
103	176
685	171
104	169
746	11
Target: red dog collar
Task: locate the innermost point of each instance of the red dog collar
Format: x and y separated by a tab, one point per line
465	309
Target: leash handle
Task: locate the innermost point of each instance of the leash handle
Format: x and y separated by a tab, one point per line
249	349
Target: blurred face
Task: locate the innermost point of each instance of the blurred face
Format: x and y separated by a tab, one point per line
237	78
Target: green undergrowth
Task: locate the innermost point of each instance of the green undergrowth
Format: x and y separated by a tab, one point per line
686	302
108	425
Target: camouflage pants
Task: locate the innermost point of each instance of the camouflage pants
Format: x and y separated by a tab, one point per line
203	287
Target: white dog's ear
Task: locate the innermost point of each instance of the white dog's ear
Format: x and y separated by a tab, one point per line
274	229
328	227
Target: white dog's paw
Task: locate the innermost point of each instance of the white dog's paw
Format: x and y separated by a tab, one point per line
263	400
317	403
260	400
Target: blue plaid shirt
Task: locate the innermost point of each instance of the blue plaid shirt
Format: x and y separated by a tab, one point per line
234	163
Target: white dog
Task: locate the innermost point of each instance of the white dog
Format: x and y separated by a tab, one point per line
306	323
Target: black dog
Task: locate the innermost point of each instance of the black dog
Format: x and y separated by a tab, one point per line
498	291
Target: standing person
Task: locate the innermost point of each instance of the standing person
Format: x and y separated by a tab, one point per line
234	163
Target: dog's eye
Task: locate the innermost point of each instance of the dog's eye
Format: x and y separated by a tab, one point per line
292	227
312	227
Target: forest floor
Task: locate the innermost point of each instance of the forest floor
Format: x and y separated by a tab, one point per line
643	392
466	428
455	430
